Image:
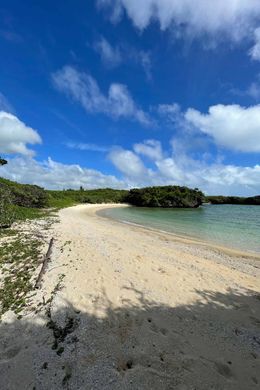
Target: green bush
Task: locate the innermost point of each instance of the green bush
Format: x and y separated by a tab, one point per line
25	195
253	200
6	213
165	196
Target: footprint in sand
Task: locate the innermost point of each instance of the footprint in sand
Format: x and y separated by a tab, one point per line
10	353
224	370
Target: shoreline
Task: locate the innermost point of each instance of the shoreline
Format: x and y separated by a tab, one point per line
185	239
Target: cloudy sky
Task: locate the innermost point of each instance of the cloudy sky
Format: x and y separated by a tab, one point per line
127	93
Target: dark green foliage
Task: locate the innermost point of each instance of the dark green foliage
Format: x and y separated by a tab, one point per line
20	201
29	197
6	212
2	161
166	196
253	200
24	195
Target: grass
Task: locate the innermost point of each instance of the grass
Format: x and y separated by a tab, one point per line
18	260
23	213
61	203
14	213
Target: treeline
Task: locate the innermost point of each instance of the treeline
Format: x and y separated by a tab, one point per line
252	200
19	201
69	197
165	196
25	195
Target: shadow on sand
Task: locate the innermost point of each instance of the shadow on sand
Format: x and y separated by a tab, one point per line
211	344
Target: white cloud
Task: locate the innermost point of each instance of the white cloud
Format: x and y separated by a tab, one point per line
254	52
176	167
172	113
140	57
110	55
86	146
5	104
215	178
15	135
149	148
253	90
84	89
180	168
231	126
113	56
55	175
128	163
235	19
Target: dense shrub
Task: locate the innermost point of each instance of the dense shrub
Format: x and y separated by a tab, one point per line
6	212
166	196
25	195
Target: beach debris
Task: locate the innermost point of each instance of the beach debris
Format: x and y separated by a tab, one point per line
44	264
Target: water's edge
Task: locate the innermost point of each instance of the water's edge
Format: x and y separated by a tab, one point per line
220	226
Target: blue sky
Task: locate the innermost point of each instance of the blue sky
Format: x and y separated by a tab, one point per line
124	93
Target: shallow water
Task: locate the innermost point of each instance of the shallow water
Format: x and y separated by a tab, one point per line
233	226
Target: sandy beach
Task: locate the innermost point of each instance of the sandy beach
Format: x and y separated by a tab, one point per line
135	309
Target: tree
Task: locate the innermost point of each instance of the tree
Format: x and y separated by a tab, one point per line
2	161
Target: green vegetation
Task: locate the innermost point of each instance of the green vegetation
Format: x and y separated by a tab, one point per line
24	201
66	198
253	200
18	260
24	195
2	161
166	196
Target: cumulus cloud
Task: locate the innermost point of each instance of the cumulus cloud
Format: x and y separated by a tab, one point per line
84	89
233	18
231	126
54	175
128	163
170	167
254	52
110	55
179	168
215	178
15	135
149	148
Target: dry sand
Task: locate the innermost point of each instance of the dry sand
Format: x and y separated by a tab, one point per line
138	309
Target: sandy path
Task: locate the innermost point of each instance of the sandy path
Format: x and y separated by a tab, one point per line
139	310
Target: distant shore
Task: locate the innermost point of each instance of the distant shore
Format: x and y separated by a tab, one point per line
141	309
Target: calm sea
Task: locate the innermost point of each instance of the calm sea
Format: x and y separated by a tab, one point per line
228	225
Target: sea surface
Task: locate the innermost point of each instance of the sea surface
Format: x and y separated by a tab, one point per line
232	226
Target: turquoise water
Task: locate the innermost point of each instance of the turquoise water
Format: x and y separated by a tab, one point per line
228	225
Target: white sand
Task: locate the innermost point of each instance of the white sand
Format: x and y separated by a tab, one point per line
149	311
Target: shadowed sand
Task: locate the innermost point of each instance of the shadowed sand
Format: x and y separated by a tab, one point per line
138	309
